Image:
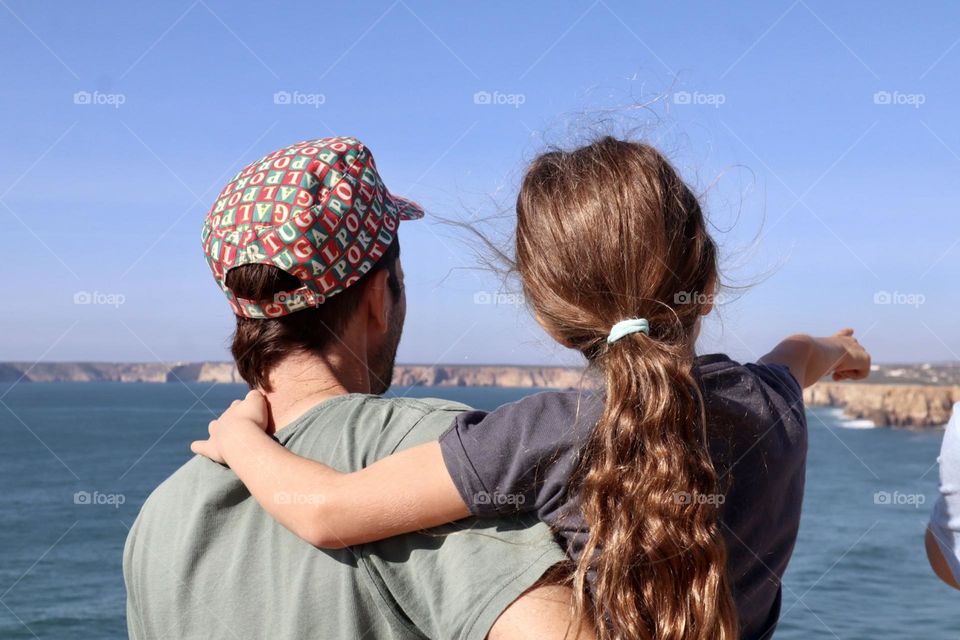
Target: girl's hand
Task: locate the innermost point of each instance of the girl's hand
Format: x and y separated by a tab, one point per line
244	418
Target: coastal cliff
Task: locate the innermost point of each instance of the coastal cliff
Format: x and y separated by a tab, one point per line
153	372
226	373
487	376
889	402
907	406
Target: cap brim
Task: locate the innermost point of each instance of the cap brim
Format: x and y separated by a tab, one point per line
406	209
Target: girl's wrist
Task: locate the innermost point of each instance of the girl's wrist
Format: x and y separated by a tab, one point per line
241	439
834	351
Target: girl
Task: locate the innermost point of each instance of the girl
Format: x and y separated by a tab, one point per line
676	488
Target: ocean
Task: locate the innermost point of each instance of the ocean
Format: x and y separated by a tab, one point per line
78	460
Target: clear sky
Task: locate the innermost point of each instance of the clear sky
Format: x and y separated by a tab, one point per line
824	136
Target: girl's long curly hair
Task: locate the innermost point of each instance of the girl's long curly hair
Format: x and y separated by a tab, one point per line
608	232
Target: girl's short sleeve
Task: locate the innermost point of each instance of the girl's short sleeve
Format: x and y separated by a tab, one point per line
520	456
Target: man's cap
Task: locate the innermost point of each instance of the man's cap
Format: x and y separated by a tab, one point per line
317	209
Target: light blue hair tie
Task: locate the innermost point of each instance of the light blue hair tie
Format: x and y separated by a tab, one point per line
626	327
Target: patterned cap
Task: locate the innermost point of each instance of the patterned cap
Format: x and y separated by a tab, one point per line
317	209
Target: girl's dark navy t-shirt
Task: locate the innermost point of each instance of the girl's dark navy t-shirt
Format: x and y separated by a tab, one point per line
520	457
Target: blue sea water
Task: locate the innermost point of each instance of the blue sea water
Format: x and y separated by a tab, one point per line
78	460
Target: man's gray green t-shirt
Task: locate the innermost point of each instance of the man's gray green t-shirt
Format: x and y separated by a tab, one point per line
204	560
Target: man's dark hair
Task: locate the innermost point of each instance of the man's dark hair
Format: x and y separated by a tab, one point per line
260	344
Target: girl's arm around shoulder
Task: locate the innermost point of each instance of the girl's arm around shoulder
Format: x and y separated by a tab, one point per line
405	492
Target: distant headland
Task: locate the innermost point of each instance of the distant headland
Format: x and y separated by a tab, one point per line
226	373
904	396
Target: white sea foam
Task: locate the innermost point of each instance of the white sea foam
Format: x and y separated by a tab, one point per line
857	424
849	423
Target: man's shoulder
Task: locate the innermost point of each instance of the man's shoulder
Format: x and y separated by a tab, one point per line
401	407
374	424
355	429
183	494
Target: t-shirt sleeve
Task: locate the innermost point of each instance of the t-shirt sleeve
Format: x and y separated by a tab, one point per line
759	417
781	390
455	581
520	456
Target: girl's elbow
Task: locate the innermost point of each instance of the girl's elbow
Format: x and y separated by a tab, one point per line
316	525
322	537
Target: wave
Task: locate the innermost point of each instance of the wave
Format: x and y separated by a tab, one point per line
850	423
857	424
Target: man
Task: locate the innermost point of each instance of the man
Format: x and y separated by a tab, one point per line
304	244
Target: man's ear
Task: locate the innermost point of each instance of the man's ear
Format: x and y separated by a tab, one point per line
376	300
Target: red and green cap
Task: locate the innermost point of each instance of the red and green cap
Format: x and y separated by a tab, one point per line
317	209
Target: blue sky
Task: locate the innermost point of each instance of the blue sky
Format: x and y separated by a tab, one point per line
823	135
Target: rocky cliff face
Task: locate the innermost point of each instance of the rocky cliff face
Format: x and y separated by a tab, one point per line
226	373
893	405
487	376
220	372
913	406
85	372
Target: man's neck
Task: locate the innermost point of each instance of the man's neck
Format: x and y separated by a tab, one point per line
300	382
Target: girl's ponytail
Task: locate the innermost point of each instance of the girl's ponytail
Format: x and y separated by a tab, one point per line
648	491
606	233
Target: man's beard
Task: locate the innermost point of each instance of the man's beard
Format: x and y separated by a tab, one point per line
381	363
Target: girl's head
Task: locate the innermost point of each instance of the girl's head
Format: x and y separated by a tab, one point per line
608	232
605	233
